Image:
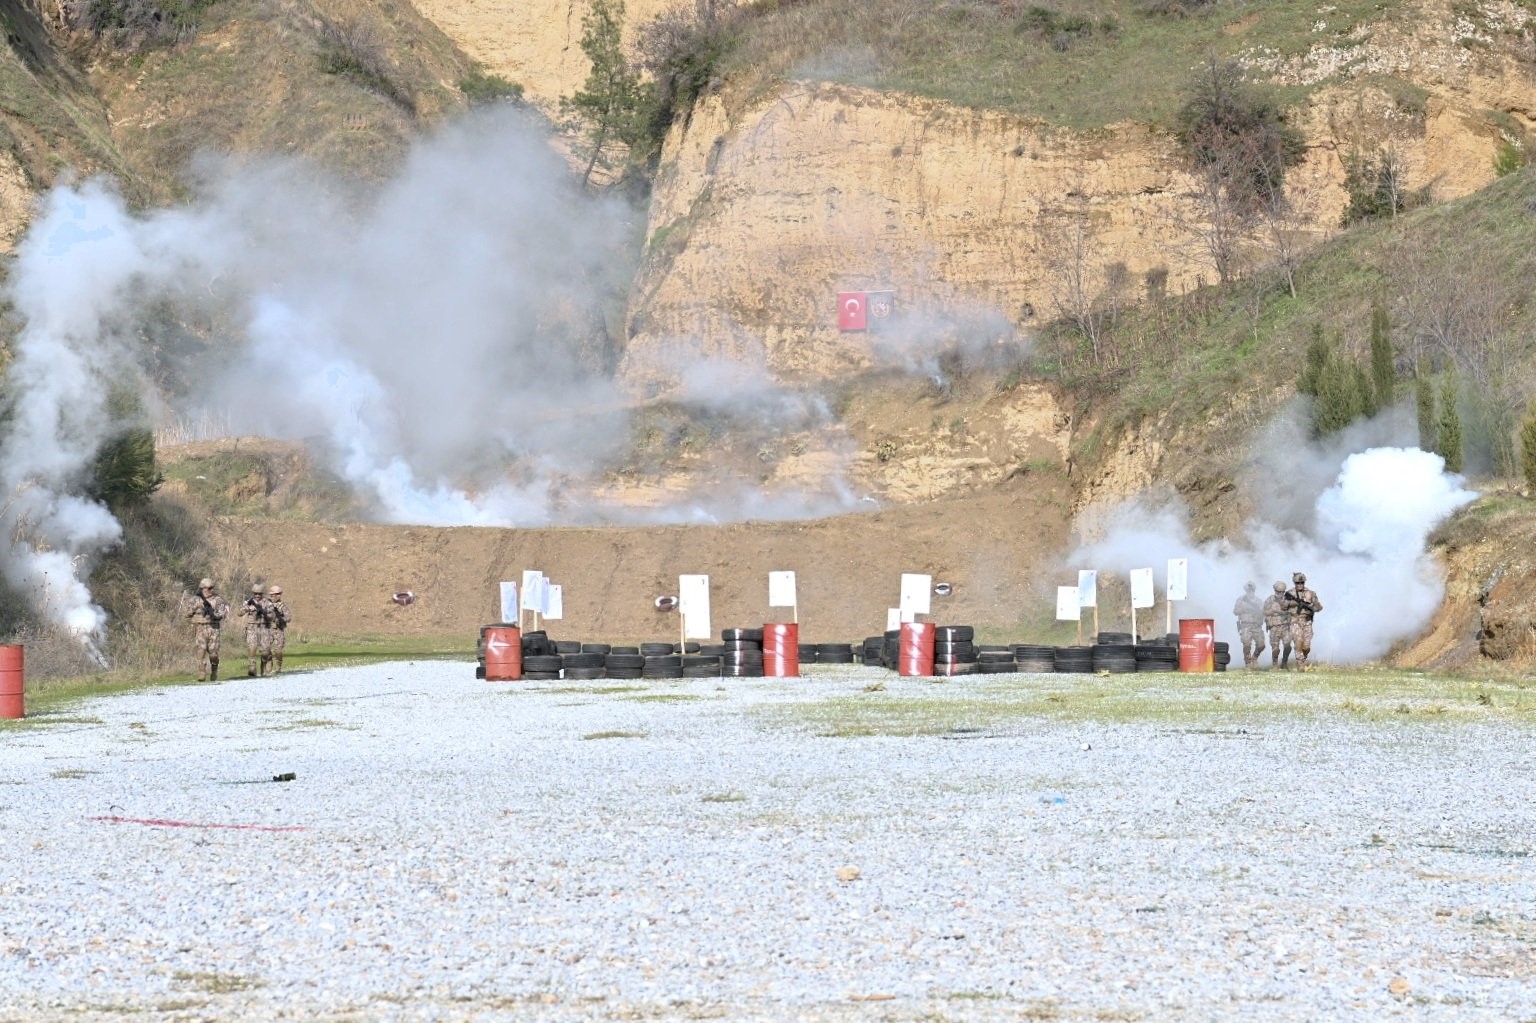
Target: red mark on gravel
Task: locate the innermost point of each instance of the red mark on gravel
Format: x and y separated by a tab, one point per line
157	823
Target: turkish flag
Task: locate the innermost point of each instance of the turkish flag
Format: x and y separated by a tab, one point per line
852	310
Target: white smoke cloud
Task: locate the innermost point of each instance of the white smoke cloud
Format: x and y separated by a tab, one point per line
1361	544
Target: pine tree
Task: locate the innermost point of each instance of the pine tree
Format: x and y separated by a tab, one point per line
1450	425
1365	395
613	107
1528	448
1383	359
1318	354
1424	399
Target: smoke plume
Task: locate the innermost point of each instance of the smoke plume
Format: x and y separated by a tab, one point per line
1355	521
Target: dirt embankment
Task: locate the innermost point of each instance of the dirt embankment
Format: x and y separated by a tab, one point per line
992	549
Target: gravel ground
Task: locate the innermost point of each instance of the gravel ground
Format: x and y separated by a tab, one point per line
454	850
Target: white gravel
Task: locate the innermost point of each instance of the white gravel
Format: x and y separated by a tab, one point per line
455	850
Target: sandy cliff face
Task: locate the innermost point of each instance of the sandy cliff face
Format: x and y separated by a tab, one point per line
536	43
765	209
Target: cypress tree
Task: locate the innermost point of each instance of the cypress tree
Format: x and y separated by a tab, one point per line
1424	398
1365	395
1528	448
1383	359
1338	397
1450	425
1318	354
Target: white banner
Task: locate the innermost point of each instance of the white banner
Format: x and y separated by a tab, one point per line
892	619
531	579
1143	593
693	605
554	603
1067	607
1178	578
509	602
916	591
1087	588
781	589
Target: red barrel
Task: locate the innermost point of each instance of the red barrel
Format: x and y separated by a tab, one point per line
915	649
12	681
781	650
503	653
1197	644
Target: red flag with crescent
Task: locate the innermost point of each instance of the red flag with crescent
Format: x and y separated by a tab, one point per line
852	310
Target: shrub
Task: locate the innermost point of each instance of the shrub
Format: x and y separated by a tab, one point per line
482	88
1234	128
1528	448
123	21
353	50
1375	186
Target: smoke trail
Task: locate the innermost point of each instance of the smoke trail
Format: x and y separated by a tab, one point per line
1362	550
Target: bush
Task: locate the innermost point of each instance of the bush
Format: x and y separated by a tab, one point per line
122	21
482	88
1233	127
353	50
1375	186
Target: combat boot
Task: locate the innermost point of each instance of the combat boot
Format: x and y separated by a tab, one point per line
213	669
277	663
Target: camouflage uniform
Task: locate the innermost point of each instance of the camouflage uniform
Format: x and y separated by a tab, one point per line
1250	625
1302	604
257	611
279	616
206	611
1277	617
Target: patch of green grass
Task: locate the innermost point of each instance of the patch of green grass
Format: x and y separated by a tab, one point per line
309	723
723	797
218	983
615	735
585	690
1219	702
665	698
72	772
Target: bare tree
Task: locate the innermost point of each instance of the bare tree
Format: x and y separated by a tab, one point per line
1086	293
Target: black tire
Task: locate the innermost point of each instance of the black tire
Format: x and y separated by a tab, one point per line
954	634
596	648
662	672
823	657
689	647
657	649
540	676
624	662
585	673
624	672
751	635
567	646
711	649
1114	638
701	672
584	661
480	672
664	661
624	650
543	663
700	661
997	667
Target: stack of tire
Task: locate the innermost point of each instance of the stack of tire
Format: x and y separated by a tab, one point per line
1223	655
954	651
1157	655
584	663
743	653
806	653
890	649
661	661
624	662
1033	657
1074	659
995	660
1117	656
873	651
832	653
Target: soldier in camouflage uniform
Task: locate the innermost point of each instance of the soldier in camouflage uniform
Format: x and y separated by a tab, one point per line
257	612
1250	626
1277	618
277	631
1302	604
206	611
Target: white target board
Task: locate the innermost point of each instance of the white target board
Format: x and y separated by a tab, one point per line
1088	588
1067	607
1178	578
554	603
916	595
509	609
1143	594
892	619
531	579
693	605
781	589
